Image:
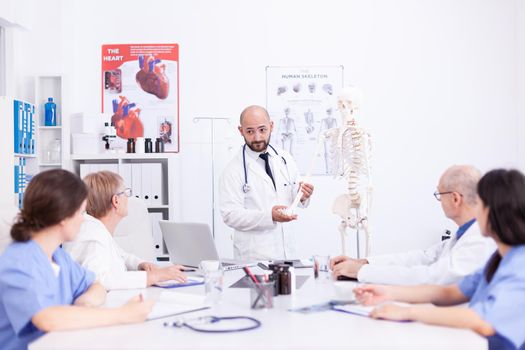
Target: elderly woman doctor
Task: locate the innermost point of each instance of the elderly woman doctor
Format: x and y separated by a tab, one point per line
255	188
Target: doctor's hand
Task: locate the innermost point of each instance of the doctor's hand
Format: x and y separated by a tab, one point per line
135	310
391	312
338	259
165	274
345	266
278	214
307	189
147	266
373	294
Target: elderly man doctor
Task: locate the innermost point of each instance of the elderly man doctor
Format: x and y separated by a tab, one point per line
444	263
255	188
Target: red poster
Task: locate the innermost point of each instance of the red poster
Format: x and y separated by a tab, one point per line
140	88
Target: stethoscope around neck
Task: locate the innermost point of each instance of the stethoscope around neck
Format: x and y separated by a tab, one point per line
246	187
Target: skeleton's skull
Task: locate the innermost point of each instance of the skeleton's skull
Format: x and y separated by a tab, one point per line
349	100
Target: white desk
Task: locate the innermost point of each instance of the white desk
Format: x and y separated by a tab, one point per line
280	328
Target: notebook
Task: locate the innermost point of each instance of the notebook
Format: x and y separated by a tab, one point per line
173	303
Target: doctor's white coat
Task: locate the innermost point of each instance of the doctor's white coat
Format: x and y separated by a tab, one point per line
444	263
256	235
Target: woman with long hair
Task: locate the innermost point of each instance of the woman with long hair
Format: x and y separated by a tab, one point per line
41	288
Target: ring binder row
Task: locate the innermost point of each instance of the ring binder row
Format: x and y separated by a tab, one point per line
144	179
24	127
21	181
24	144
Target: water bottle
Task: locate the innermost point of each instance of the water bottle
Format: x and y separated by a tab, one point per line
51	112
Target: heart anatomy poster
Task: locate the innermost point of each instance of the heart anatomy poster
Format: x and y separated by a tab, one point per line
302	102
140	89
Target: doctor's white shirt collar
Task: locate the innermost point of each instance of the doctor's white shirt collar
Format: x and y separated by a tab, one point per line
255	155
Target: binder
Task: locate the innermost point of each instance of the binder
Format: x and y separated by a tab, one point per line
146	183
158	243
17	172
25	134
156	182
136	179
19	117
29	117
16	126
33	129
125	173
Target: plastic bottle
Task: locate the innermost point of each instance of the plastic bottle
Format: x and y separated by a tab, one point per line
50	113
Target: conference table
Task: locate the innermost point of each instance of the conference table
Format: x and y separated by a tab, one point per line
280	328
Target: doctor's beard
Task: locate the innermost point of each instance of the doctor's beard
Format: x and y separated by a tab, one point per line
258	146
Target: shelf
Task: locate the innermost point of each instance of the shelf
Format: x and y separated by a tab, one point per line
160	206
49	164
58	127
103	156
23	155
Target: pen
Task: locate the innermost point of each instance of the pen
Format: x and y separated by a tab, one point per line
250	274
188	270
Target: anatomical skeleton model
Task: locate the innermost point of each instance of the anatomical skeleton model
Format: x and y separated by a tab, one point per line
349	154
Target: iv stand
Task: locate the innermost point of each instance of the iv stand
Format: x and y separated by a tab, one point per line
212	121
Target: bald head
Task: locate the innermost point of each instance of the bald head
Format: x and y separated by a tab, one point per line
463	179
256	128
254	113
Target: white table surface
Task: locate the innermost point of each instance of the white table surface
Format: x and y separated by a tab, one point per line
281	329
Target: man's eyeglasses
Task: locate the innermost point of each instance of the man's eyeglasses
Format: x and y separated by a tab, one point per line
439	194
126	192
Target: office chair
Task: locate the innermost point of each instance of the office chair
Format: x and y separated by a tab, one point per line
134	233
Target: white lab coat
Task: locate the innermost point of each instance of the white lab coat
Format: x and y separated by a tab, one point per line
95	249
444	263
256	235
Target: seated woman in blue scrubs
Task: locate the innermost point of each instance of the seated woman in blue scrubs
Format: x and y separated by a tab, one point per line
41	288
496	293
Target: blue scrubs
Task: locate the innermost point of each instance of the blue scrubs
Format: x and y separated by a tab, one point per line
502	301
28	285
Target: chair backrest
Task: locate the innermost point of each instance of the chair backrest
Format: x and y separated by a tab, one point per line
134	233
7	216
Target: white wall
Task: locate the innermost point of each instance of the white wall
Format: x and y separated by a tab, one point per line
439	79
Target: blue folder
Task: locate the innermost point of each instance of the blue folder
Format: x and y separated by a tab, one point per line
192	281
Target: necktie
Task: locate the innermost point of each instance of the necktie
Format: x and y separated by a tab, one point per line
265	156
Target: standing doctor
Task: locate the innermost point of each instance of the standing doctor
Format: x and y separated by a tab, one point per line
255	188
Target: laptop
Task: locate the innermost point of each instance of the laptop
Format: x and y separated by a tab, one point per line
189	243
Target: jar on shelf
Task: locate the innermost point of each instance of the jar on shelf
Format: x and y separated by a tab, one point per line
53	152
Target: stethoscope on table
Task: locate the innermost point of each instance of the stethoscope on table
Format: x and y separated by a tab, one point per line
194	323
246	187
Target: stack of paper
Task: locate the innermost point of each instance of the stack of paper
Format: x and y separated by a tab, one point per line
173	303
